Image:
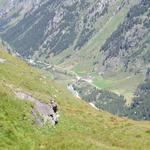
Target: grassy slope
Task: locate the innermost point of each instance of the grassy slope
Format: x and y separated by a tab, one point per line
121	83
80	126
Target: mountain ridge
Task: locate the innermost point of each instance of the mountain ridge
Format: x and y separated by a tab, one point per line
133	37
74	22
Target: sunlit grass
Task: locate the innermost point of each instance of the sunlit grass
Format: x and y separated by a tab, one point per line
102	83
80	126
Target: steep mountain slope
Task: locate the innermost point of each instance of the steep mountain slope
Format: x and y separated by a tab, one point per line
55	26
129	46
80	126
2	3
123	59
139	109
71	33
141	103
12	11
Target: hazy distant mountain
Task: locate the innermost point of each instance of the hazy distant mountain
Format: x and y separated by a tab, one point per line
12	11
129	45
120	29
51	27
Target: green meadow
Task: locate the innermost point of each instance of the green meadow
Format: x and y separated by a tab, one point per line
80	127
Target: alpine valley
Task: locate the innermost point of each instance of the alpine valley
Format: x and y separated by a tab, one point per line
92	57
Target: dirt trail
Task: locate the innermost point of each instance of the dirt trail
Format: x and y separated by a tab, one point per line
41	111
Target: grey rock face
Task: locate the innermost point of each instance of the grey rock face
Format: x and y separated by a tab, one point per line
42	112
2	60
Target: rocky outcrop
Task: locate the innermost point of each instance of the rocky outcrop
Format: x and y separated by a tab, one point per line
42	112
2	60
